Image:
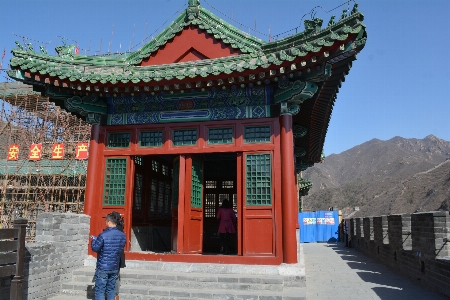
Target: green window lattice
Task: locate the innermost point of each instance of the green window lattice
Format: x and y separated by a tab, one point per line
115	182
176	172
119	140
197	179
137	203
259	179
257	134
220	135
151	138
185	137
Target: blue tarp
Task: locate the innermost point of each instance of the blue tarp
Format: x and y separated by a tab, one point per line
318	226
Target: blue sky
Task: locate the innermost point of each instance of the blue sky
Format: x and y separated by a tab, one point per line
397	87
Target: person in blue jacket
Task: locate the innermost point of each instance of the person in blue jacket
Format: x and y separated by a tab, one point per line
108	245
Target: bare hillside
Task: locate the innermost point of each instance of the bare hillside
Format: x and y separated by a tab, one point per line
383	177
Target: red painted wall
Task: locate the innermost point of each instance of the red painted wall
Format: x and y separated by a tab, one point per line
190	44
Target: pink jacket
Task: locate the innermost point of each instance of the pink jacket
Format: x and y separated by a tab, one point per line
227	220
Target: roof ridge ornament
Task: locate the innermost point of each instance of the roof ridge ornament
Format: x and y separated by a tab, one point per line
193	9
193	3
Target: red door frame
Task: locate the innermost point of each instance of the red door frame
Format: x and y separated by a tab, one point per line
100	152
193	217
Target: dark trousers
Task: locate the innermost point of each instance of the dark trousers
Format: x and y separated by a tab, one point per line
225	242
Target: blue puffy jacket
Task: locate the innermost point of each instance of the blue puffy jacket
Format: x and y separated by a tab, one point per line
108	245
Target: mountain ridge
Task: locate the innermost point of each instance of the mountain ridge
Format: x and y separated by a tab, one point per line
377	177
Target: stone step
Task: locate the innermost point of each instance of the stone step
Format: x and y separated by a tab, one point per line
76	290
182	281
197	280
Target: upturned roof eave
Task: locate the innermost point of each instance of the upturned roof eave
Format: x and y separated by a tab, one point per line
315	113
72	70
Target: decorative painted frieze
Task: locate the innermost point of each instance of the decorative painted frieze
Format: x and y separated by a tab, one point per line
294	92
215	104
299	131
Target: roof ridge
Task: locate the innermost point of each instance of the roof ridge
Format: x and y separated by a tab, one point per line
93	69
205	20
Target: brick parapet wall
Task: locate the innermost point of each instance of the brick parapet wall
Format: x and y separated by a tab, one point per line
359	227
380	230
413	245
351	231
60	247
406	232
368	228
442	234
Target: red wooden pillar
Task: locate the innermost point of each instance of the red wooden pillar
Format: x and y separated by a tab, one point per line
90	203
92	186
289	206
181	205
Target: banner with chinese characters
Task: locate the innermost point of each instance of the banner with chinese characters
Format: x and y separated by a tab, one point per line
57	151
35	152
13	152
82	151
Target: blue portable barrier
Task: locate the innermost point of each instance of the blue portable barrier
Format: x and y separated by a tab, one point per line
318	226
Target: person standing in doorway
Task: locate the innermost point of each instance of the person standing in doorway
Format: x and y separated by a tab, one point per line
227	225
108	245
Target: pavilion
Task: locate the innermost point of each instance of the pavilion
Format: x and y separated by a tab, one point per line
201	113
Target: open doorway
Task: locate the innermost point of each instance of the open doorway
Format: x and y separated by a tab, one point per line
152	203
220	182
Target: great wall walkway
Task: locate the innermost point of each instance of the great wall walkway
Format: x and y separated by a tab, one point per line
336	272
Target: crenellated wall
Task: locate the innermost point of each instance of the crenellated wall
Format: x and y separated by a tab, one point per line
414	245
60	247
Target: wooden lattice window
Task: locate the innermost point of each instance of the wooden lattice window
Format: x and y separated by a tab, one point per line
176	172
115	182
210	205
151	138
259	180
119	140
153	195
160	192
155	166
227	184
197	179
138	160
167	194
257	134
220	135
137	203
184	137
210	184
165	170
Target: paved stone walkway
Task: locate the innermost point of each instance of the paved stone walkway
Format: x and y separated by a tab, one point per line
335	272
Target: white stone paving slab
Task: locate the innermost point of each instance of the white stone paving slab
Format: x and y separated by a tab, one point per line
336	272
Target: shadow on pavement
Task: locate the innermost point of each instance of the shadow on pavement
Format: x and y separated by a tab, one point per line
395	286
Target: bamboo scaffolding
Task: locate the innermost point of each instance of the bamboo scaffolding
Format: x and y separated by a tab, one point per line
29	188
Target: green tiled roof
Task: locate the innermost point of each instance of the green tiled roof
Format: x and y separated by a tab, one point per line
304	183
255	53
207	21
306	69
8	89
